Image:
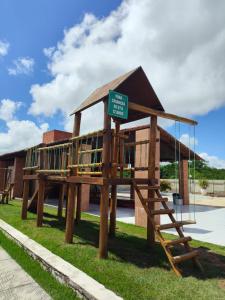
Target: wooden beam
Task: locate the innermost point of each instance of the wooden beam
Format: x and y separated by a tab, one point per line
72	187
30	177
113	202
61	199
40	202
161	114
77	121
151	174
103	234
78	208
70	214
104	202
85	180
25	199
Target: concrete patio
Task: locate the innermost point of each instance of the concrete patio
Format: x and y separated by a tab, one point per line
209	227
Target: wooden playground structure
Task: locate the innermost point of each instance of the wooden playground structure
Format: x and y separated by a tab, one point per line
7	185
98	158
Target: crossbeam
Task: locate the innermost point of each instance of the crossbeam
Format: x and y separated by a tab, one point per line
55	146
154	112
90	134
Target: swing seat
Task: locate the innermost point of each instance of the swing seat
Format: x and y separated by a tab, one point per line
186	222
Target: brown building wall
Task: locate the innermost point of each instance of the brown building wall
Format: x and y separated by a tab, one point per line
2	174
141	160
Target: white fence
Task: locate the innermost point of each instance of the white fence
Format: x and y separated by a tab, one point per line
216	187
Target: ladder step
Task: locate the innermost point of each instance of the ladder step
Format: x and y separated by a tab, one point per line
178	241
155	199
186	256
148	187
168	226
162	211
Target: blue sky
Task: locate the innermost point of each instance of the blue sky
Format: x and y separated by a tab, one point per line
90	43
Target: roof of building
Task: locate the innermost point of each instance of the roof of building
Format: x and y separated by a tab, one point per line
135	85
167	146
11	155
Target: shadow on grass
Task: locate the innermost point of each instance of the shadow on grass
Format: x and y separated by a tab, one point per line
133	249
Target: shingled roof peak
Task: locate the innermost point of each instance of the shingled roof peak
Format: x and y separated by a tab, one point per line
134	84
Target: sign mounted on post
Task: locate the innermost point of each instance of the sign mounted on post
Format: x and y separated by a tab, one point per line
118	105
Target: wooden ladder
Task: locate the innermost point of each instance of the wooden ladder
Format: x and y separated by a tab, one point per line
7	194
167	244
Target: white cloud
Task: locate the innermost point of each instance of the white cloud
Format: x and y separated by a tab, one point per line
8	108
213	161
20	135
180	45
189	141
4	48
22	65
48	51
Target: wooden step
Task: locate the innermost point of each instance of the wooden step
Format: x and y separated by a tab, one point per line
178	241
168	226
148	187
162	211
183	257
155	199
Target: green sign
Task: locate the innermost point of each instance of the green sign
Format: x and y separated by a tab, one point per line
118	105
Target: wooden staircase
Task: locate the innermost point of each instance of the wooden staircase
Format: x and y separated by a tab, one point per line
166	244
6	195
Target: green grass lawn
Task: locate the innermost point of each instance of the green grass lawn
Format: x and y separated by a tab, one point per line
132	271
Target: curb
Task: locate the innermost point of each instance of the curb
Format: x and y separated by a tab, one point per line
85	286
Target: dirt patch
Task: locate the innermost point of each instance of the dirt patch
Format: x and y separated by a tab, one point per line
221	284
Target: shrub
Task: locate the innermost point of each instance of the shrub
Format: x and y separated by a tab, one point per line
165	186
203	183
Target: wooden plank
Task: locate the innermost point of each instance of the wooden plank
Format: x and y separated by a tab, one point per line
85	180
127	181
56	178
161	114
40	202
186	256
30	177
25	199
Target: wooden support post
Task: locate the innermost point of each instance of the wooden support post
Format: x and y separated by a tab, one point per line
113	202
61	199
103	234
25	199
152	174
104	204
132	193
72	188
70	214
78	209
183	181
40	202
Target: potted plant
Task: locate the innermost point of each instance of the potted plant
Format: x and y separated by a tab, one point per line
203	183
165	186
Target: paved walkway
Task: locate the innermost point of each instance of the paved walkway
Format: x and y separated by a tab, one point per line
15	283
